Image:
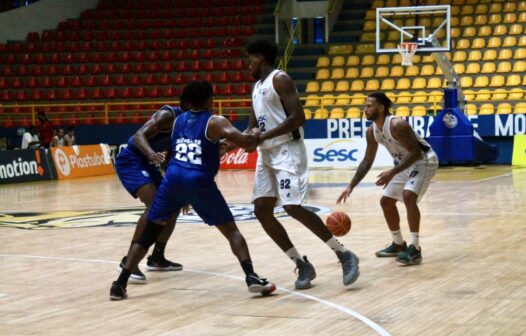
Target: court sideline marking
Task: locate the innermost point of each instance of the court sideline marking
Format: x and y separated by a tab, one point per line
336	306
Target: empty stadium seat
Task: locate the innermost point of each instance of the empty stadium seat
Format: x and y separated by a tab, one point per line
353	61
327	100
342	99
382	71
489	55
471	109
338	61
372	85
419	111
402	111
342	86
504	108
520	108
403	98
353	113
473	68
322	74
323	62
367	72
312	100
337	73
337	113
311	87
357	85
435	83
486	109
513	80
388	84
327	86
321	114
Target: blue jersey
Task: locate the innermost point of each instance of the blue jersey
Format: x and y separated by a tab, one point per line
192	150
162	142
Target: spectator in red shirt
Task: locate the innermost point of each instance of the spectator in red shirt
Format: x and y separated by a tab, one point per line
46	129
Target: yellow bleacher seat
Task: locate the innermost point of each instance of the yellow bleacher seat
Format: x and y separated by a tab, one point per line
419	111
381	71
466	82
504	54
481	43
474	56
354	113
488	67
510	18
367	72
337	113
495	8
323	62
473	68
434	83
327	100
368	60
516	29
439	71
471	109
481	20
351	73
520	108
499	94
519	66
365	48
312	100
396	59
455	32
486	109
497	81
493	42
342	99
427	70
458	2
383	59
435	96
419	83
402	111
321	114
342	86
489	55
338	61
483	31
358	99
397	71
393	36
403	98
500	30
522	6
510	7
469	94
388	84
372	85
483	96
341	49
481	81
515	94
522	17
509	41
459	68
522	41
322	74
459	56
369	25
403	84
455	10
419	96
513	80
504	108
461	44
470	30
428	59
481	9
327	86
308	113
495	18
417	58
371	14
312	87
337	73
467	10
504	67
353	60
390	45
411	71
357	85
519	54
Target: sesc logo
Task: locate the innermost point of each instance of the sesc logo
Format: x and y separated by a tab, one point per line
336	151
62	162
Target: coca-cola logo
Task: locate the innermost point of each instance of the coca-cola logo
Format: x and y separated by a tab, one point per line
237	157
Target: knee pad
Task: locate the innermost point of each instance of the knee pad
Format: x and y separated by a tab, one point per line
150	234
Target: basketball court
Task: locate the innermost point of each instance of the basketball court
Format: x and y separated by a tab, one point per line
59	257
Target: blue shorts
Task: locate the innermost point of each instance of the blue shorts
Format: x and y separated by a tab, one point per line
134	171
180	188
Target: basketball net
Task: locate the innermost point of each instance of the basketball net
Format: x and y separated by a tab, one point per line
407	50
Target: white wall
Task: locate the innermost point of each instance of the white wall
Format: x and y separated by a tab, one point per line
41	15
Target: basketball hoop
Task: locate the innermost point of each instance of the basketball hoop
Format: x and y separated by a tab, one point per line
407	50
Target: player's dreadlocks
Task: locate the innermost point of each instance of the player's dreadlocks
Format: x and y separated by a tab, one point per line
384	100
197	93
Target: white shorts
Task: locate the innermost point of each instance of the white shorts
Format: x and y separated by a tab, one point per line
282	172
415	178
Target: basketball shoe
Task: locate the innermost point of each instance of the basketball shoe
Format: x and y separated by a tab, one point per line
306	273
392	250
259	285
136	277
350	267
117	292
411	256
162	264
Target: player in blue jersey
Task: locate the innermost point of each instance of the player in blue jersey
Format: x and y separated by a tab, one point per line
189	179
138	168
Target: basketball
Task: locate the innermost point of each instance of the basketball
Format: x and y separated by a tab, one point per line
338	223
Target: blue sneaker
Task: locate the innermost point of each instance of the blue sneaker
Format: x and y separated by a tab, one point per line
411	256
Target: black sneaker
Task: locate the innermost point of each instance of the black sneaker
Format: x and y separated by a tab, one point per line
259	285
392	250
117	292
350	267
162	264
306	273
136	276
411	256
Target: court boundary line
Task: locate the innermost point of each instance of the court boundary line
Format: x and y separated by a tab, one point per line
377	328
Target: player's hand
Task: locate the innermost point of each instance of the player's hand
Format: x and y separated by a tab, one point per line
384	178
344	195
157	158
257	141
186	209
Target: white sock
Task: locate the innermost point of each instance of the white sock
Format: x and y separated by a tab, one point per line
397	237
415	240
293	254
335	245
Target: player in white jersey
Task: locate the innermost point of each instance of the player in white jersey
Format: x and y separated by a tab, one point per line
281	170
415	165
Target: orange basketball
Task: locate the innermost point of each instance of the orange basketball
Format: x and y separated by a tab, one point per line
338	223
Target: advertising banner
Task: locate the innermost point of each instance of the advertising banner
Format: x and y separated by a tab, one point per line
82	161
519	151
342	153
239	159
24	166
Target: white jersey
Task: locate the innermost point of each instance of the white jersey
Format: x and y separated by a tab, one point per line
395	148
270	112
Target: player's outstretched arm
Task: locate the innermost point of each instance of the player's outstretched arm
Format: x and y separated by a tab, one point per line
219	127
363	168
161	120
